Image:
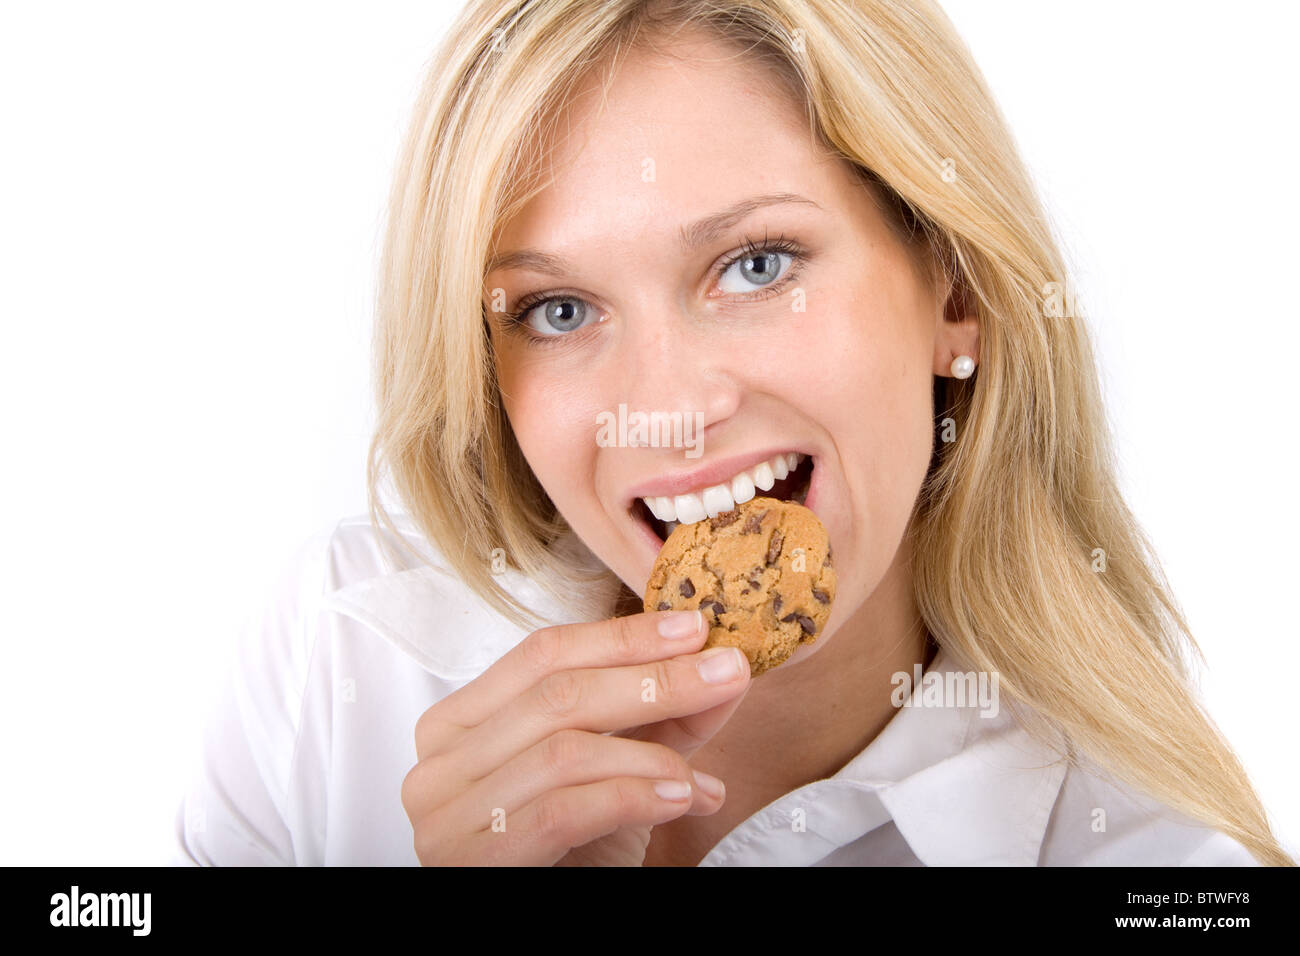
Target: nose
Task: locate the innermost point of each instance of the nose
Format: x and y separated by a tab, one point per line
673	365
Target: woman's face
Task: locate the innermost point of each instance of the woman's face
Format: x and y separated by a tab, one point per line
825	347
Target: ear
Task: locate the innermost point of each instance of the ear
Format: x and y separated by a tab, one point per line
957	331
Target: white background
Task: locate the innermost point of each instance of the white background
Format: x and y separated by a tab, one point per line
190	203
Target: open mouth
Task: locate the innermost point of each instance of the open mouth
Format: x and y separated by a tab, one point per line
793	487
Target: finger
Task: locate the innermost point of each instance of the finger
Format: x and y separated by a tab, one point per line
688	733
604	699
635	639
566	759
544	830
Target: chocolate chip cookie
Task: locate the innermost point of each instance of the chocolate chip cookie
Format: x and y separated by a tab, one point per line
761	573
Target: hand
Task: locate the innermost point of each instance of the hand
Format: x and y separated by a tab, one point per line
565	750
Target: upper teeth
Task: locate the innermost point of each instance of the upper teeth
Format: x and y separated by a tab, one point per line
712	501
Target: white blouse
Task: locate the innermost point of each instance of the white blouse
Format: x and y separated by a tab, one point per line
305	753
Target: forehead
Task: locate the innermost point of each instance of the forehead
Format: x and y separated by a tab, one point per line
674	134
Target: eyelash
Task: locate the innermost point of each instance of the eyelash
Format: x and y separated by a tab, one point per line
515	320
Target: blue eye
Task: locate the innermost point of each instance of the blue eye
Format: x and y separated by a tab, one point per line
562	314
761	269
760	264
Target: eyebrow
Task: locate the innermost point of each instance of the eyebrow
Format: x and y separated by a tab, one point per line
696	234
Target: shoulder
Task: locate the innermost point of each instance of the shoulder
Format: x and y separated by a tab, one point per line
1099	821
349	555
315	715
400	587
337	553
333	555
289	631
394	585
357	550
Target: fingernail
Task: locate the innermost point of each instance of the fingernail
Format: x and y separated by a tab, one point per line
673	789
710	785
719	665
680	624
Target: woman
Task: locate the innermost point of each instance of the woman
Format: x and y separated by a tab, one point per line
803	226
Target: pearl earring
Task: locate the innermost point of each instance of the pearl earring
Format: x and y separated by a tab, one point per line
962	366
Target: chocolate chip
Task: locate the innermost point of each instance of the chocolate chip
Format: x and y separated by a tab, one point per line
754	585
828	555
711	604
687	588
664	606
774	546
754	523
809	626
723	519
821	597
776	603
746	591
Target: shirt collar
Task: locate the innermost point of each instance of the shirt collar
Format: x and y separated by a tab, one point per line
965	786
961	788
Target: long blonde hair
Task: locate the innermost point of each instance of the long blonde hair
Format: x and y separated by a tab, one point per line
1028	563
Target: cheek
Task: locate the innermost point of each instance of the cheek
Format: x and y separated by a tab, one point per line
868	377
551	419
872	396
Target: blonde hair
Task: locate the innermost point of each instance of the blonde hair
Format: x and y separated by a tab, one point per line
1006	526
